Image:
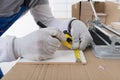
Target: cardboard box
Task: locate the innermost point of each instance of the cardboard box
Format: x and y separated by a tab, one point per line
85	12
99	7
110	9
113	12
101	16
76	10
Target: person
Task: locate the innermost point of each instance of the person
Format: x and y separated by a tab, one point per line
40	44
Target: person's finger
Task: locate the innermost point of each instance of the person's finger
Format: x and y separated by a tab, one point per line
53	42
75	38
52	45
58	34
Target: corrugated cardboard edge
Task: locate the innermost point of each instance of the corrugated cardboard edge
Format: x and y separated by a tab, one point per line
96	69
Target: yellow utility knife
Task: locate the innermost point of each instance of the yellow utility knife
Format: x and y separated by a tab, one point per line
78	54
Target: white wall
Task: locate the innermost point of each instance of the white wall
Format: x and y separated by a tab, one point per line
22	26
62	8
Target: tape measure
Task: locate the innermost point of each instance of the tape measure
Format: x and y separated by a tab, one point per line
68	44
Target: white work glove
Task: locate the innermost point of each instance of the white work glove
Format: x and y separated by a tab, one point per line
39	45
80	35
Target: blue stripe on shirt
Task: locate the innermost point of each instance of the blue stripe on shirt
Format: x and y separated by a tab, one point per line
6	22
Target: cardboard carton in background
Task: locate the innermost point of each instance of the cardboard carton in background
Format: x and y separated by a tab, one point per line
76	10
99	7
85	12
101	16
113	12
107	11
100	11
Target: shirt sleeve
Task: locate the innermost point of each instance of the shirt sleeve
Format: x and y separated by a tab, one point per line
43	14
6	49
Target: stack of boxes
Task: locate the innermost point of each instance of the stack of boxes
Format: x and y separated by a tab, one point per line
83	11
106	11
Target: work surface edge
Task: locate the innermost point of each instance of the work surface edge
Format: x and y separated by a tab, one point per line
95	69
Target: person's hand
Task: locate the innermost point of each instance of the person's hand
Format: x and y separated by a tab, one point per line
80	35
39	45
